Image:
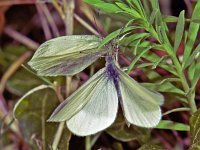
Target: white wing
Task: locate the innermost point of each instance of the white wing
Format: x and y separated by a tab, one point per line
99	113
78	99
141	106
66	55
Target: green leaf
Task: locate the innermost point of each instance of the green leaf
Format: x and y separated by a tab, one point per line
154	58
120	131
154	4
32	111
166	124
9	54
176	110
156	63
126	41
196	74
153	16
191	71
115	34
164	87
158	30
140	7
179	30
106	7
132	12
160	26
167	87
170	18
146	7
192	34
193	56
194	130
16	83
131	66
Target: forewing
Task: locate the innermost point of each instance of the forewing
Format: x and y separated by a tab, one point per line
71	66
66	45
66	55
78	99
141	106
99	113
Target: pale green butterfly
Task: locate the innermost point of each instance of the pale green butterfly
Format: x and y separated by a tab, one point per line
66	55
93	107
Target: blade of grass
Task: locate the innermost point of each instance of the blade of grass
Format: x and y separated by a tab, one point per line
192	34
179	30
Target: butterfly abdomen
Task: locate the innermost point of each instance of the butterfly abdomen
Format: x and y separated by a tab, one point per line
112	74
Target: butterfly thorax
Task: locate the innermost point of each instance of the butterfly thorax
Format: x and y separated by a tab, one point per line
112	73
111	70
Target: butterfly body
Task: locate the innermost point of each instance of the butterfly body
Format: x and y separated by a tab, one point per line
112	73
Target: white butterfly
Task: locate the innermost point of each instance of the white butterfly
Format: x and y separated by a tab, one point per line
93	107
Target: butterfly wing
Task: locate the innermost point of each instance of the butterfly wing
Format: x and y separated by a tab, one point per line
99	113
66	55
141	106
77	100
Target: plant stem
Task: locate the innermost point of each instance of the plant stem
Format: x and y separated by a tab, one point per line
58	8
86	25
58	136
87	143
191	99
176	110
94	139
68	6
190	96
180	71
69	16
12	69
60	129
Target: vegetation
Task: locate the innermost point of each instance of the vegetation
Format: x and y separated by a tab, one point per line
159	51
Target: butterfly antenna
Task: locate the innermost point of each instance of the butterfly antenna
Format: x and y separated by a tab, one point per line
116	44
97	26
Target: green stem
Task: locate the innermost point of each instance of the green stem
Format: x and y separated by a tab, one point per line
58	136
191	99
87	143
180	71
94	139
190	95
68	6
60	129
176	110
69	16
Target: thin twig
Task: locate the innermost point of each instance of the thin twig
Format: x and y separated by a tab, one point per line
44	22
87	11
189	7
177	110
58	8
69	10
61	125
50	20
21	38
11	70
18	2
86	25
3	106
